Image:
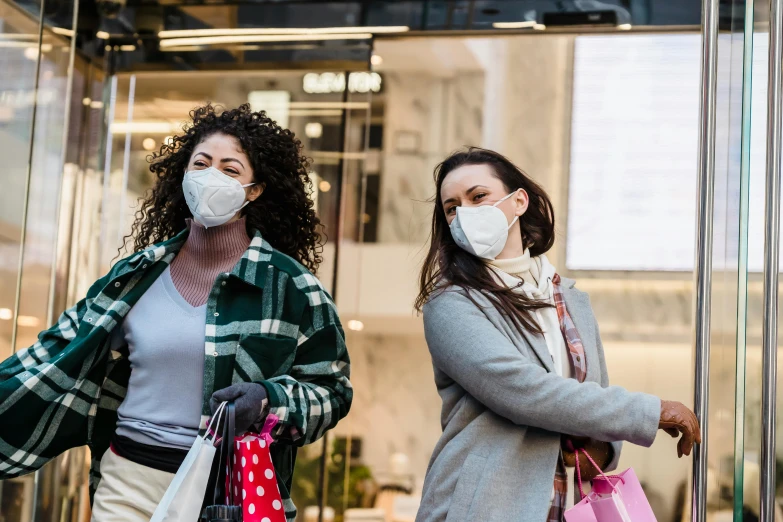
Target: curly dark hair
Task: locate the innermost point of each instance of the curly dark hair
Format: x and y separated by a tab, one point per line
283	213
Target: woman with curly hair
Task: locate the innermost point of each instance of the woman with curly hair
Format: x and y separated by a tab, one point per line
217	303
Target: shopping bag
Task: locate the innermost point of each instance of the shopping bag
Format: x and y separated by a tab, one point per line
252	483
581	512
616	498
184	496
627	487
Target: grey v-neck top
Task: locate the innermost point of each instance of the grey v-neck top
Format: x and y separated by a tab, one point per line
165	335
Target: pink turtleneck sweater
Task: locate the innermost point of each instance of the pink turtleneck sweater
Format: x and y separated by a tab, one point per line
206	253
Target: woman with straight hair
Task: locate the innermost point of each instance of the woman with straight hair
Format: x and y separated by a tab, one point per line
518	357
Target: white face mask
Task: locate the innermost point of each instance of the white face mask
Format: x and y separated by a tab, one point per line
213	197
482	231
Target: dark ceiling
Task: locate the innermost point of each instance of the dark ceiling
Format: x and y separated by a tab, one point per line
129	29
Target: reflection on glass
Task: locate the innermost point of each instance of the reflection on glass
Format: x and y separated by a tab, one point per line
19	53
19	50
34	110
47	174
569	127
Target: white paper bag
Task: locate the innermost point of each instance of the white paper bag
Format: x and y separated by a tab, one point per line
185	496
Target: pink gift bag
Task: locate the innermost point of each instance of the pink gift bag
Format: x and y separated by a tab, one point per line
253	483
616	498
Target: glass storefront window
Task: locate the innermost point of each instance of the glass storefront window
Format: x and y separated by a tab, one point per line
609	130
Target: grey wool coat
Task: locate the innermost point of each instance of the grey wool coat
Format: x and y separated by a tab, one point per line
505	409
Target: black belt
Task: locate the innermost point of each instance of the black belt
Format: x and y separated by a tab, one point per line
155	457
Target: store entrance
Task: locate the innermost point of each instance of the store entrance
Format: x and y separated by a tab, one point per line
608	124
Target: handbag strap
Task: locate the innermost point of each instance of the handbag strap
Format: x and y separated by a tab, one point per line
227	448
231	428
579	472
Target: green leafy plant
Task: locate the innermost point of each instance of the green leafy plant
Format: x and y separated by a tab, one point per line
306	476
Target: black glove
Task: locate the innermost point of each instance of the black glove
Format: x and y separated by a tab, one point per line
248	400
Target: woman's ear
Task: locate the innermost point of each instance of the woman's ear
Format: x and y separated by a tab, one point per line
522	201
255	191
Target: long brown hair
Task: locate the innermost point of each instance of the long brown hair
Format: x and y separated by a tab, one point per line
448	265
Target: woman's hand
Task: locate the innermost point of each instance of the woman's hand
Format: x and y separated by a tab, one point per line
600	452
677	419
249	401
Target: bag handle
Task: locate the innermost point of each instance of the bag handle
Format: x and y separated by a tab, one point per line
212	430
231	435
269	424
579	473
227	446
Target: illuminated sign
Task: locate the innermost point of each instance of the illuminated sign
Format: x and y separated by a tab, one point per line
327	83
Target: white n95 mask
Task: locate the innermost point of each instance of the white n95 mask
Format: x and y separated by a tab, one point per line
213	197
482	231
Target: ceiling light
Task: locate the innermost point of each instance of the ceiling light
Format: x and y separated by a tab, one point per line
103	35
6	314
356	326
62	31
240	39
143	127
149	144
96	104
624	27
376	59
86	101
127	48
314	130
28	320
527	24
248	31
324	186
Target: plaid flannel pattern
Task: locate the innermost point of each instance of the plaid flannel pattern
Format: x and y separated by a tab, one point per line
571	336
579	366
557	510
269	321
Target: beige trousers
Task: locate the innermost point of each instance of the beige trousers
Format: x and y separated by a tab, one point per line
128	492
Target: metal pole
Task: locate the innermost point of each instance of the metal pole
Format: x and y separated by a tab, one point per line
771	265
323	477
742	267
706	203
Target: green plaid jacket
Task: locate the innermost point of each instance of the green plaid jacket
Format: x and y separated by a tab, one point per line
269	321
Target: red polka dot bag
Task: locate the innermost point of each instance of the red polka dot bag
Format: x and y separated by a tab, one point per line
252	482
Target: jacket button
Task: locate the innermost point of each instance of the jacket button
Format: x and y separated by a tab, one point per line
223	283
214	354
117	284
217	314
578	359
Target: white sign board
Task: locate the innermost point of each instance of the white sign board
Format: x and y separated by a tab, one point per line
634	152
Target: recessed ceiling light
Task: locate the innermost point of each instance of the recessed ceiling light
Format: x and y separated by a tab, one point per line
356	326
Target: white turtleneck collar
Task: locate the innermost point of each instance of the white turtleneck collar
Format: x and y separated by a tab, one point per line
535	272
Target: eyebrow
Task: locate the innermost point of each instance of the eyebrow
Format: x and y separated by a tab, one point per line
469	191
224	160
